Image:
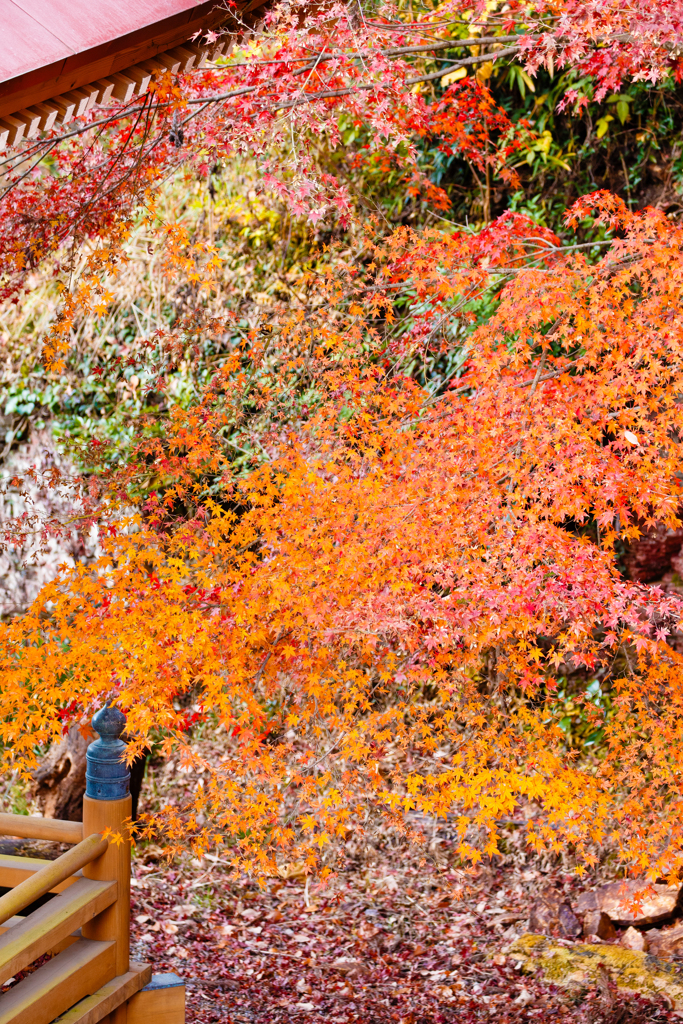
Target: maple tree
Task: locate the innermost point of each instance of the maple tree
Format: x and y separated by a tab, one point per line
376	605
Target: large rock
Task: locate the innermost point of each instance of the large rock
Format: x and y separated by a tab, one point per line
597	923
617	901
667	942
552	915
633	939
584	966
37	484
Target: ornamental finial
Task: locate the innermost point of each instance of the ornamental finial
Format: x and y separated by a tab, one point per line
107	775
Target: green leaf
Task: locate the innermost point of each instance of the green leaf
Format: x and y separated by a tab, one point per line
527	80
603	124
623	111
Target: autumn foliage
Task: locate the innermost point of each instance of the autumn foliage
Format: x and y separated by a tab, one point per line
377	612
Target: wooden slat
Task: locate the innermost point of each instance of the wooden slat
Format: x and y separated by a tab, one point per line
27	827
13	921
14	870
48	117
91	91
81	99
219	48
124	87
155	68
141	78
67	108
15	128
170	63
83	96
105	88
32	121
5	130
94	1008
199	51
52	874
79	971
45	927
53	950
184	56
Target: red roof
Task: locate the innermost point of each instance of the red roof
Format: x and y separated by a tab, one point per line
52	47
40	32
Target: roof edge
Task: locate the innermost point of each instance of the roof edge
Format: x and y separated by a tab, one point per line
108	58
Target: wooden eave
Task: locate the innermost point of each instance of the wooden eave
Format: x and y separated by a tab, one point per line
43	87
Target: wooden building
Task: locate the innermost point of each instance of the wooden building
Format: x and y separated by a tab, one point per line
61	57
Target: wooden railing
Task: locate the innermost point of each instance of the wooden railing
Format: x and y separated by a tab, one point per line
77	910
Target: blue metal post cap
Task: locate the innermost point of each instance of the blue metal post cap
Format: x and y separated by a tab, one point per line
107	776
109	722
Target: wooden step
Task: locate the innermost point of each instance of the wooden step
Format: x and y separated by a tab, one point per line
94	1008
56	948
79	971
12	923
160	1002
44	928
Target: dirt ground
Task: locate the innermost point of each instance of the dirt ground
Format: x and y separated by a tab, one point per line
390	941
399	934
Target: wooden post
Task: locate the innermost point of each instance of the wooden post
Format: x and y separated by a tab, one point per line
107	805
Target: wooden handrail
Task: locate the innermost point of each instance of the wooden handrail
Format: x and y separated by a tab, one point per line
15	870
52	874
89	976
27	827
52	924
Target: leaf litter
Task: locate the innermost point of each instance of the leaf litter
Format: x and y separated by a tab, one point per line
400	933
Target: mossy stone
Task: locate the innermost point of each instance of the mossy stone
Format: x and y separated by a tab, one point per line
576	964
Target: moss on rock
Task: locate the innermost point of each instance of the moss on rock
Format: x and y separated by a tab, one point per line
580	965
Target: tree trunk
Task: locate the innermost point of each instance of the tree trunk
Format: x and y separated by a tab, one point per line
655	553
59	781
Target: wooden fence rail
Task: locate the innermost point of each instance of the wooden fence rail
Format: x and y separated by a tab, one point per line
77	910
